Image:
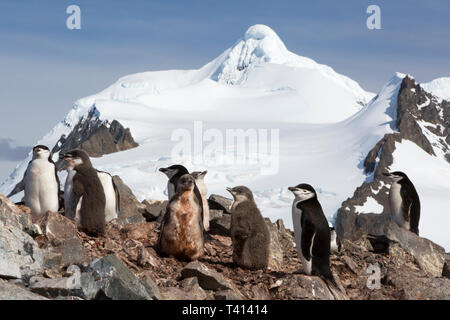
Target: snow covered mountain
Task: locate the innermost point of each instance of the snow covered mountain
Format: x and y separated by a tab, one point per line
320	126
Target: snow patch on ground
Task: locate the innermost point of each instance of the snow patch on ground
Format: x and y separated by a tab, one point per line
369	206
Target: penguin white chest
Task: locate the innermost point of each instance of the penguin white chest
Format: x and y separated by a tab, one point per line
297	223
41	187
110	196
395	202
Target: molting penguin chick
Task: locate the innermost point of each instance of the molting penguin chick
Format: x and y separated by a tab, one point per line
312	233
181	232
199	177
40	183
249	232
404	201
71	201
89	190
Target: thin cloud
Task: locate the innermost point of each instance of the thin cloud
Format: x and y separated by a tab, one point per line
10	152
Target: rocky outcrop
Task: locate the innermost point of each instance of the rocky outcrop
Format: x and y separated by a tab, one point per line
20	255
11	291
422	119
96	137
123	264
129	207
117	282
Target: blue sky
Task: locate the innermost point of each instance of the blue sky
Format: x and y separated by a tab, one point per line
45	67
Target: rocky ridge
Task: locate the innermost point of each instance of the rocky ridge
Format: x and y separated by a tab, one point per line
51	259
421	118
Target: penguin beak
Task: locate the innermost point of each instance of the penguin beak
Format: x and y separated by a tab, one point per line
230	190
387	174
292	189
163	170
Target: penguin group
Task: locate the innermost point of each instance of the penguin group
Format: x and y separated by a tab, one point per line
91	199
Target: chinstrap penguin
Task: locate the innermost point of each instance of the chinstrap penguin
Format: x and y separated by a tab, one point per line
181	234
249	232
199	177
404	201
312	233
174	173
335	244
40	183
87	188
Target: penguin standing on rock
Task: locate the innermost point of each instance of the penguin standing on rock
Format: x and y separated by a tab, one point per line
181	232
71	201
174	173
90	216
404	202
249	232
312	233
40	183
199	177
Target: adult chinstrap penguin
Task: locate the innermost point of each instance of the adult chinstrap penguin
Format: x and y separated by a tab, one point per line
199	177
88	189
312	232
181	234
404	201
249	232
174	173
40	183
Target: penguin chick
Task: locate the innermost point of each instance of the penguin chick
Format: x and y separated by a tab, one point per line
181	232
89	190
404	202
199	177
249	232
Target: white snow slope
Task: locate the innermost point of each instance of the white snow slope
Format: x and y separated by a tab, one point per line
324	130
440	87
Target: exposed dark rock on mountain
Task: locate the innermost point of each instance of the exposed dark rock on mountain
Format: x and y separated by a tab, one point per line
96	137
422	119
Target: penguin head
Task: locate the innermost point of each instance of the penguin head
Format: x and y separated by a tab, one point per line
185	183
199	175
41	152
75	158
241	193
303	192
396	176
174	170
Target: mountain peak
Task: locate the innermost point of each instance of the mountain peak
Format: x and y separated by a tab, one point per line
260	32
260	44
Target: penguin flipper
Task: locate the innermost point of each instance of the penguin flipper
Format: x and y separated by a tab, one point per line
308	233
116	191
20	186
414	214
78	188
